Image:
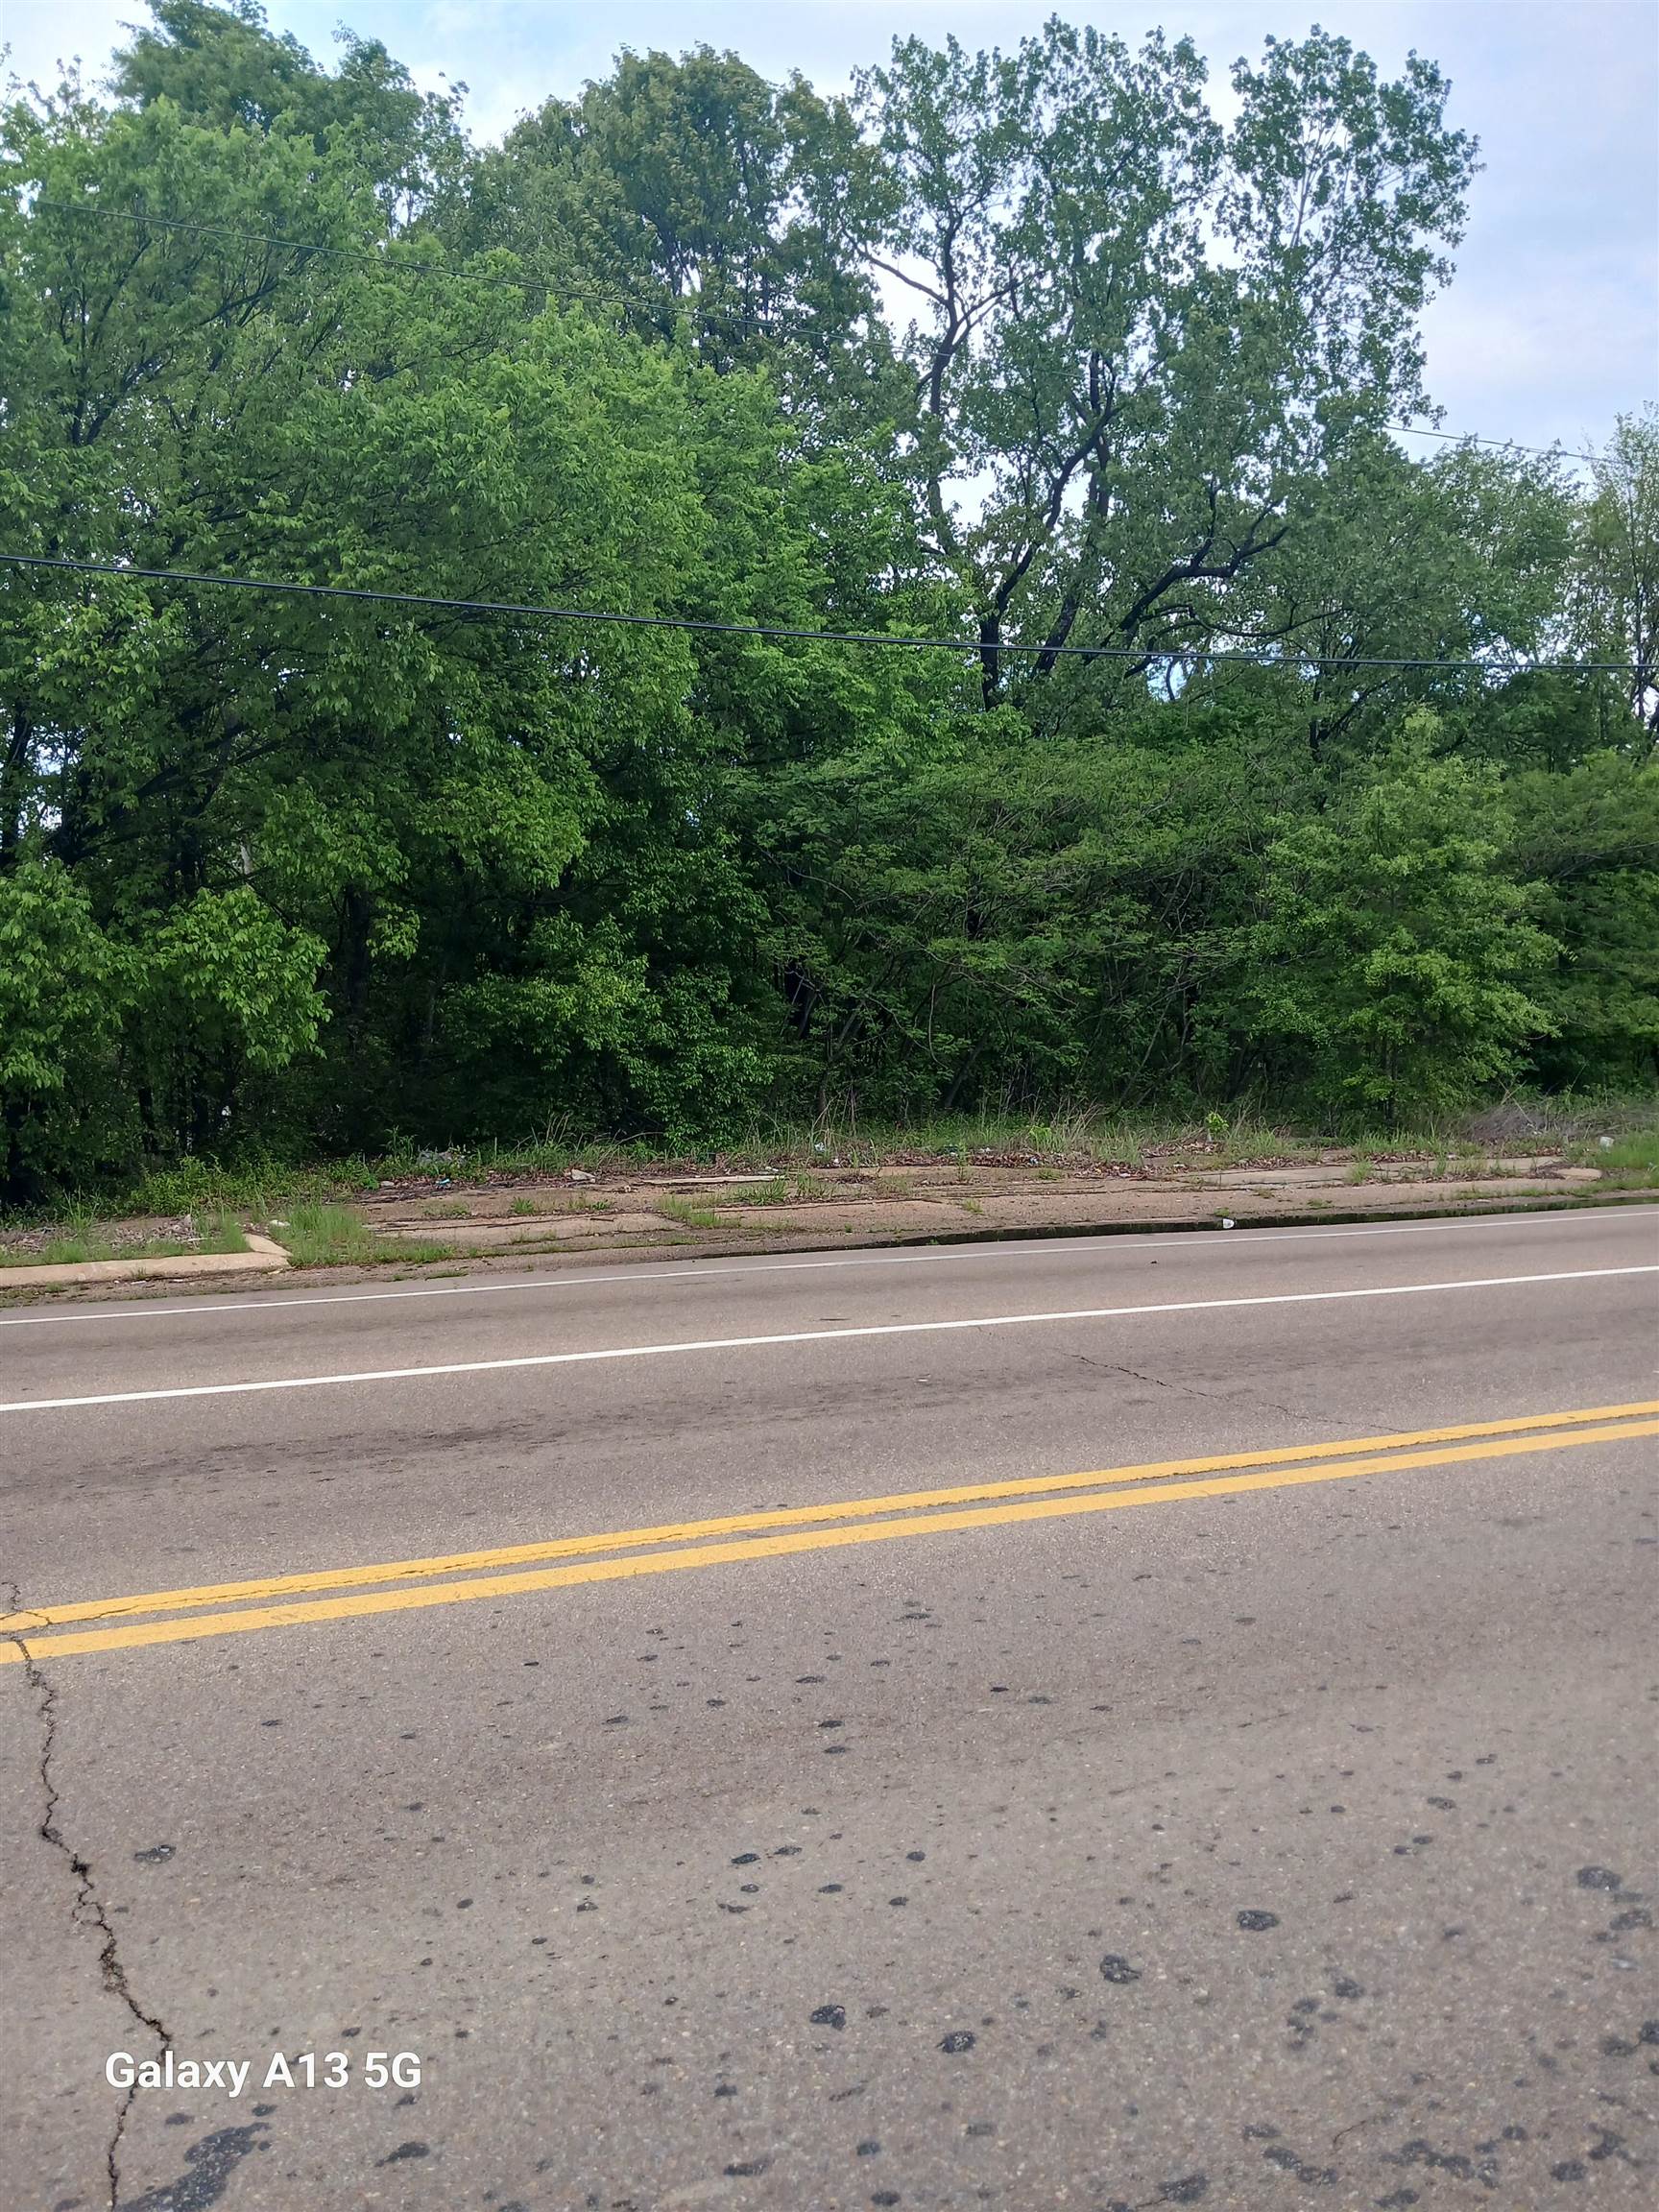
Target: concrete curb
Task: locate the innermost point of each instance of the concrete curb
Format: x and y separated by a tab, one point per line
576	1259
262	1255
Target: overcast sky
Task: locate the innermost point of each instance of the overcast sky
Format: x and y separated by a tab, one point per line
1552	326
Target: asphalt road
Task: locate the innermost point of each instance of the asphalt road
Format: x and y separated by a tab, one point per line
1113	1723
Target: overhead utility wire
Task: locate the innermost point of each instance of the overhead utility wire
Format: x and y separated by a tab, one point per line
1508	445
778	630
597	299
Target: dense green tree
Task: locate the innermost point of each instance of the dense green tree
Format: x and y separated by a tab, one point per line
1457	565
700	203
428	803
1588	839
1617	600
1388	972
220	64
1136	333
303	872
62	990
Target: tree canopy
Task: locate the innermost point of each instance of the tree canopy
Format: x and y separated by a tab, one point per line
1274	765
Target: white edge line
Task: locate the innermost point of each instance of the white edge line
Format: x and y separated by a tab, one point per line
801	1336
697	1270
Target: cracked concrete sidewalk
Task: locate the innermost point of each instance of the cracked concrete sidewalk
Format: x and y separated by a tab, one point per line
721	1215
262	1255
521	1220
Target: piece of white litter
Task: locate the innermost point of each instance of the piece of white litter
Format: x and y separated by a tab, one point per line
1227	1222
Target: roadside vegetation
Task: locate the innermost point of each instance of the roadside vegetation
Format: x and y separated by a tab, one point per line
81	1237
1290	788
313	1210
332	1235
1628	1162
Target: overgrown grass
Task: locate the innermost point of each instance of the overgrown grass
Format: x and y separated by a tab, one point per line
782	1154
775	1192
220	1233
251	1186
320	1236
334	1236
1064	1131
65	1252
692	1216
1641	1151
1627	1162
1247	1143
82	1241
1076	1137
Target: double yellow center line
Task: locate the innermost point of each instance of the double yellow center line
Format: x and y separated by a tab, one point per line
460	1577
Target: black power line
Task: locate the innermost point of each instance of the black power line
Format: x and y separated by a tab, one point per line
1293	655
1505	445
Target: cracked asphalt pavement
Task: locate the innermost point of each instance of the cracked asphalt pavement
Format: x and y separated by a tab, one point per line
1109	1723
